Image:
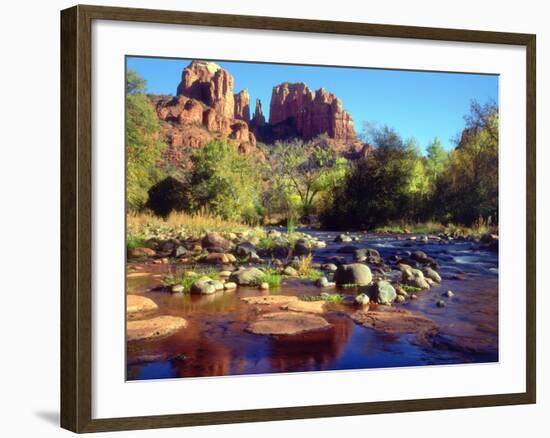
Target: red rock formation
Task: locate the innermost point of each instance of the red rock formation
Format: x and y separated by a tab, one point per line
259	118
242	106
210	84
295	110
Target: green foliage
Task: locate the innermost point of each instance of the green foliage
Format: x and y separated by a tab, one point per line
266	243
300	172
135	241
271	277
135	84
436	160
334	298
181	279
224	183
396	184
168	195
410	289
380	188
143	143
467	190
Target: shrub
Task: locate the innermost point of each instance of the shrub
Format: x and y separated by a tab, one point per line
168	195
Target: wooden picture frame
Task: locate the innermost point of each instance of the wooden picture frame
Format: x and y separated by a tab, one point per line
76	217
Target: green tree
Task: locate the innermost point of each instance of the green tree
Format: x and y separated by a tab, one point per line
135	84
224	182
379	188
168	195
144	143
436	160
468	189
305	170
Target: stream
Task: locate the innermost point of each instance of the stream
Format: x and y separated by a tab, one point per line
215	342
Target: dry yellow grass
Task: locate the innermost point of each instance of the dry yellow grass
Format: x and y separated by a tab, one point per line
145	224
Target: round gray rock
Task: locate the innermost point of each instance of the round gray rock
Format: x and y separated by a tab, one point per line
354	273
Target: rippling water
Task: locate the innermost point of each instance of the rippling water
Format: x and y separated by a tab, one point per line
215	342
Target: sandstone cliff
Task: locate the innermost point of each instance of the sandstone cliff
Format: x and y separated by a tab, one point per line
297	111
204	108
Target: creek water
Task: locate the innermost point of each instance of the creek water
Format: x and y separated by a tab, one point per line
215	342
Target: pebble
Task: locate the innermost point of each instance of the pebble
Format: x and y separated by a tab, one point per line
441	303
264	286
449	294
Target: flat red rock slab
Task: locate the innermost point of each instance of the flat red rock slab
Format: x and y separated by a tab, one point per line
147	329
138	304
396	321
287	323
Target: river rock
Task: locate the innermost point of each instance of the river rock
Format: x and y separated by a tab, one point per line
421	257
206	286
432	274
343	238
290	271
302	247
214	239
229	285
245	249
330	267
177	289
413	277
141	252
354	273
287	323
246	276
180	251
383	292
281	251
362	300
138	304
147	329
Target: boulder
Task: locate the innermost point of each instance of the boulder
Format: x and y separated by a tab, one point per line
330	267
147	329
229	285
290	271
302	247
246	276
216	258
432	274
383	292
354	273
214	239
413	277
343	238
287	324
206	286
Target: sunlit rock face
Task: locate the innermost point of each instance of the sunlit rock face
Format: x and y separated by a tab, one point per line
298	111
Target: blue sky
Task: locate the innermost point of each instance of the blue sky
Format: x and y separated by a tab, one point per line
416	104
